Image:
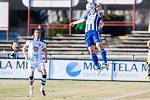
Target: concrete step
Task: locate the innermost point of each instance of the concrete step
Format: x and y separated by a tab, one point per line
80	35
137	38
128	46
127	49
66	45
66	49
132	42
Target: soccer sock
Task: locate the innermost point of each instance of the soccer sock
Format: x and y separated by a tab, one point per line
43	81
95	60
103	54
31	80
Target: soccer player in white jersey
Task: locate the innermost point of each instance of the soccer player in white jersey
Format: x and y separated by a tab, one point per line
35	60
92	33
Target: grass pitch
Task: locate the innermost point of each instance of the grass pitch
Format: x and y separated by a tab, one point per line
75	90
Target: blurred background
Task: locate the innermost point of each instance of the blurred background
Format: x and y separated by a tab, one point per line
125	32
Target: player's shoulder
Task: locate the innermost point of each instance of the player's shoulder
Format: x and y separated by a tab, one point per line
42	42
30	41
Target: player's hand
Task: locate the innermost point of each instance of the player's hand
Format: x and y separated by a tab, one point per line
71	24
145	64
26	58
45	60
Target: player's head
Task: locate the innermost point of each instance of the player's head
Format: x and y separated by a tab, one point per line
90	6
99	7
37	34
15	46
39	26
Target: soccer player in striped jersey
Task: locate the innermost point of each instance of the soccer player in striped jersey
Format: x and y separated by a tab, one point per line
92	33
35	60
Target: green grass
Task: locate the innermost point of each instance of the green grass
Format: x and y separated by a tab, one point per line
75	90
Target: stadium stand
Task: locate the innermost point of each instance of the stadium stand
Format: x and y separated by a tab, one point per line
131	47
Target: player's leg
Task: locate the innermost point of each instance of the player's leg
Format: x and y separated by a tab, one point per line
92	52
98	43
91	48
31	80
31	77
102	51
95	59
43	79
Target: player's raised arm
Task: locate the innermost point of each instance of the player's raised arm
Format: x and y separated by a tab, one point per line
77	22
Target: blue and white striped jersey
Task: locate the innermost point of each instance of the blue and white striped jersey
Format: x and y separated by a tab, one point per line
92	21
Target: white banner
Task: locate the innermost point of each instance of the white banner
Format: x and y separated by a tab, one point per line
17	68
120	2
85	70
50	3
129	70
4	8
77	69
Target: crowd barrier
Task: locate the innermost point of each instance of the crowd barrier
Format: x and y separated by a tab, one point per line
76	69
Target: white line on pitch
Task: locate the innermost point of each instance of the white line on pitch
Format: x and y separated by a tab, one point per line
131	94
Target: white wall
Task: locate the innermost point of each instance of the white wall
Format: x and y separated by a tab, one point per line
4	15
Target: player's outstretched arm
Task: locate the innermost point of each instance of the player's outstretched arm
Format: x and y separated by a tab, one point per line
24	51
77	22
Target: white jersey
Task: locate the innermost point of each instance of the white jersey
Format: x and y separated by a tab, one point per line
35	48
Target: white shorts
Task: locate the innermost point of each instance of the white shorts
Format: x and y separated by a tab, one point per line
32	65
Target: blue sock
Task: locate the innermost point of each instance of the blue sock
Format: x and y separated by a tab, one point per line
95	60
103	54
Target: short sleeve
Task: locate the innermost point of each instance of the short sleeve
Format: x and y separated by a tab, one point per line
44	45
27	42
85	17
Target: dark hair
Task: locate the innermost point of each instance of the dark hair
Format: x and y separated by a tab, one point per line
12	44
38	30
99	4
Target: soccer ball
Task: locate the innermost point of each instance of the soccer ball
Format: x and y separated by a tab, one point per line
148	44
90	6
90	1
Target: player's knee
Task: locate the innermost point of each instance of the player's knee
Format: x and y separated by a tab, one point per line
92	52
31	77
44	76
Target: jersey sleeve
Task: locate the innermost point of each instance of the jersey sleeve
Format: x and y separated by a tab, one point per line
27	42
44	45
85	17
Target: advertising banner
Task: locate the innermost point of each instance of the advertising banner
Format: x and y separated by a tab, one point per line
17	68
129	70
77	69
85	70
